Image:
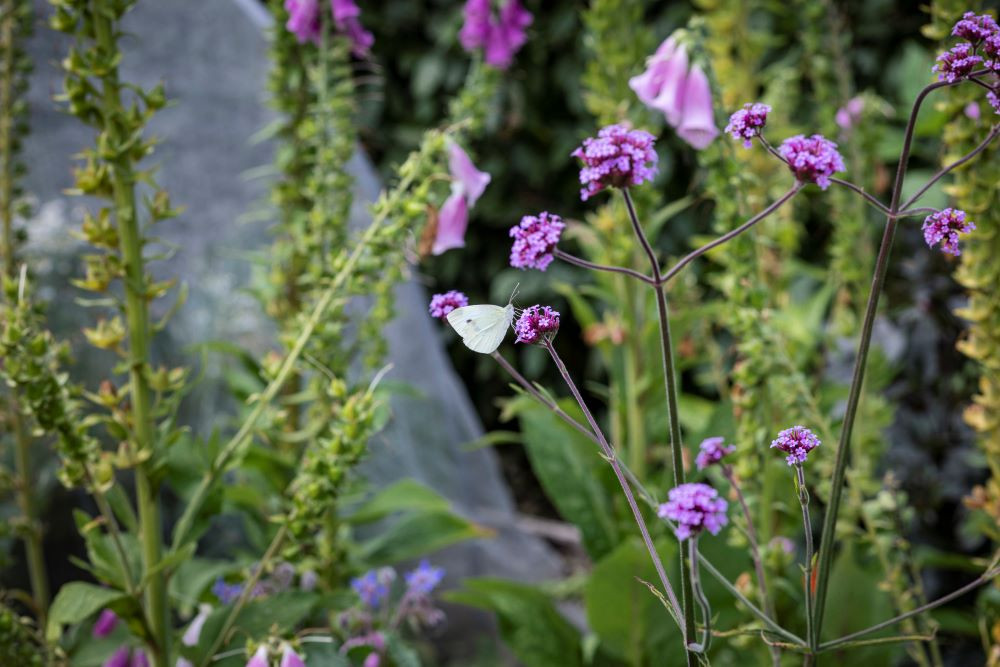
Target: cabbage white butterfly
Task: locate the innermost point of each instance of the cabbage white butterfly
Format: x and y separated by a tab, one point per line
482	327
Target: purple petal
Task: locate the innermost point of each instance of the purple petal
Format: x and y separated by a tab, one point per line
259	659
105	624
289	658
119	658
697	126
453	220
472	181
671	97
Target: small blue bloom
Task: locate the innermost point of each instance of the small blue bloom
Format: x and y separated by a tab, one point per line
424	579
370	589
226	593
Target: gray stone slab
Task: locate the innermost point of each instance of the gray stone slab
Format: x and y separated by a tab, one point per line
212	57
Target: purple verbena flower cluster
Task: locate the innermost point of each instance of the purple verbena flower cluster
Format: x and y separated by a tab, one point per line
797	442
500	37
535	237
959	61
617	157
442	304
994	101
712	451
305	22
536	323
944	227
812	159
694	507
747	123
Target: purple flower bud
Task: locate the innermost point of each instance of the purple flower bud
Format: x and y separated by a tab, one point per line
747	123
105	624
535	237
309	578
712	451
120	658
956	62
536	323
944	227
812	159
441	305
424	579
617	157
694	507
797	442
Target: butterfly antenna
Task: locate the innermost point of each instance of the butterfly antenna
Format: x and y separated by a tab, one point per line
514	293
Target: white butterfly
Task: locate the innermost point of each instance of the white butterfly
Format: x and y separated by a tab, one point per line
482	327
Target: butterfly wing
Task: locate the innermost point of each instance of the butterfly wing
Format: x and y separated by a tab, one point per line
482	327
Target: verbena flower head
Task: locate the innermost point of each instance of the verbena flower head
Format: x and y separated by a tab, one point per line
442	304
370	588
694	507
975	28
424	579
994	101
105	624
812	159
957	62
617	157
944	227
797	442
747	123
991	47
535	237
712	451
535	324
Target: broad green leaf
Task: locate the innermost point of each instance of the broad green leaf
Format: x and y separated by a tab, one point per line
77	601
192	578
325	654
856	601
529	622
630	621
569	467
404	495
416	535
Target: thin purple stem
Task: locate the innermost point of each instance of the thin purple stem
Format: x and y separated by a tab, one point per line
854	395
670	386
954	165
985	578
609	454
807	526
690	257
579	261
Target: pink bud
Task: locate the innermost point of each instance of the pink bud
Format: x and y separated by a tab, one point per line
105	624
697	126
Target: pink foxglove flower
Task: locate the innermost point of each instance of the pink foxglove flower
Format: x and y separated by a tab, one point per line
697	125
468	184
105	624
500	37
303	19
289	658
193	632
259	658
372	660
476	28
661	86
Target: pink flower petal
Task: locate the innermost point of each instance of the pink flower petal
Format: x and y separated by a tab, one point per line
697	126
259	659
472	181
670	99
453	220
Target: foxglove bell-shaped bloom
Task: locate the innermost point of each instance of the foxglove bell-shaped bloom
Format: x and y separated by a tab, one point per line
514	22
697	125
453	220
259	658
476	28
661	86
289	658
501	36
472	181
193	632
303	19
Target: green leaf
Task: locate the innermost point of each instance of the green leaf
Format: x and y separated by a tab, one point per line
417	535
402	655
855	602
77	601
529	622
193	577
404	495
630	621
323	654
569	467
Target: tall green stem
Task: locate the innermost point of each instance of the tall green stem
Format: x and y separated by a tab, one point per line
137	318
22	441
803	493
871	310
670	384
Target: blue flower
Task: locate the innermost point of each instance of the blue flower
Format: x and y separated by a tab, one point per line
424	579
